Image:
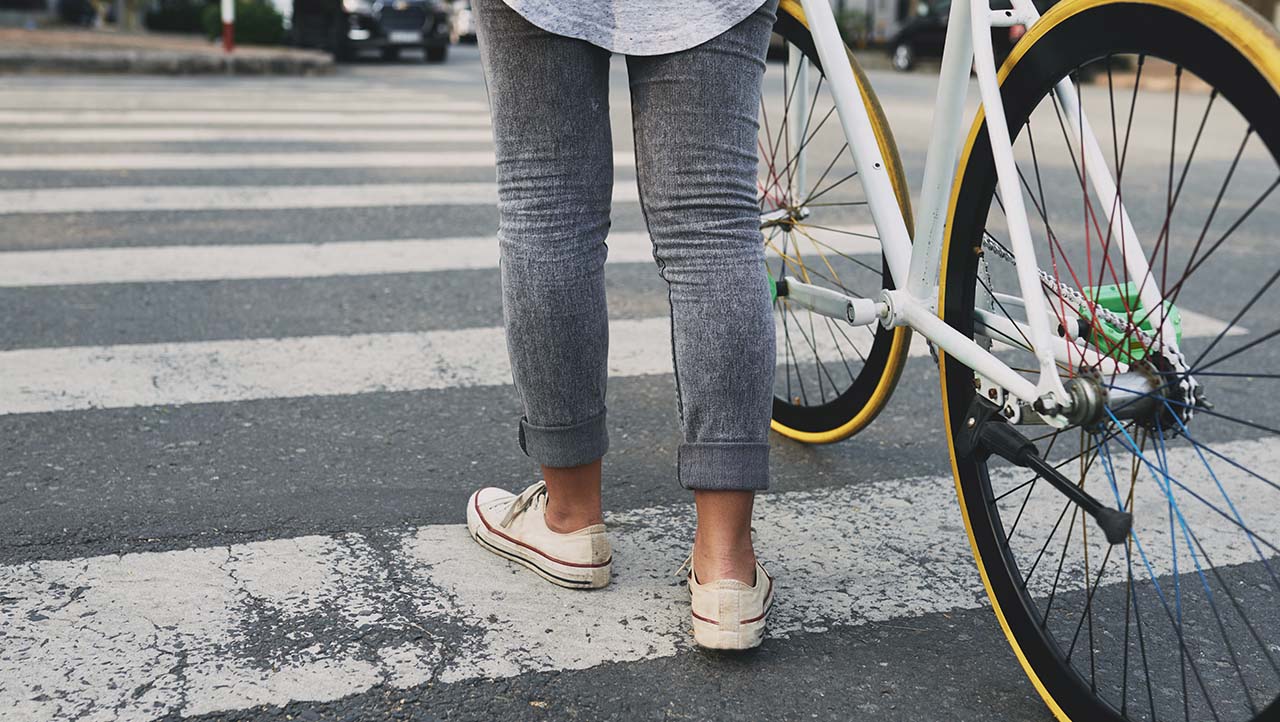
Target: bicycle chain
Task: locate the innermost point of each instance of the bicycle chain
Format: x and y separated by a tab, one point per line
1188	386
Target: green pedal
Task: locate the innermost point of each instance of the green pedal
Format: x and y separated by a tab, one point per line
1122	299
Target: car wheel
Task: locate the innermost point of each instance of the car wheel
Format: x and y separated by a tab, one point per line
436	54
391	54
904	58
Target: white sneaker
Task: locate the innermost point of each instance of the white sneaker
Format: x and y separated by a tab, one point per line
515	527
728	614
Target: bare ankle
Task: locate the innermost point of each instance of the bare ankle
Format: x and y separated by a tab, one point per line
566	520
713	562
722	547
573	497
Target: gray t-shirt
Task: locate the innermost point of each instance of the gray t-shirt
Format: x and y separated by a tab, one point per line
637	27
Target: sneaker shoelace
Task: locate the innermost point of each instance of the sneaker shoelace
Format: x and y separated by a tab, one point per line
686	568
527	498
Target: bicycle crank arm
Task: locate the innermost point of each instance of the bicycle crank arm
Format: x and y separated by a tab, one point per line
986	432
825	302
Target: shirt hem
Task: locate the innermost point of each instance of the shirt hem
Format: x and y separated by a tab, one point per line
607	37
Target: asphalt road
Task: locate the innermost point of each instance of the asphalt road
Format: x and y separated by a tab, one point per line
257	516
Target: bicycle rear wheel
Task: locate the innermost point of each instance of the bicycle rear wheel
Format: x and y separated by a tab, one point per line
1182	620
832	378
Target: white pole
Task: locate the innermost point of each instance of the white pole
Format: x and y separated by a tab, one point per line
228	25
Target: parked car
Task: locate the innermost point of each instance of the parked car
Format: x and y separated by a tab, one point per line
923	35
345	27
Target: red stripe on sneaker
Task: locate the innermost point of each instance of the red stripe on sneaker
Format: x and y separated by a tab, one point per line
768	598
533	549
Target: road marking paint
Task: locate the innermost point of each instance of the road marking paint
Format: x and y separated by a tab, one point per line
272	197
42	380
215	161
1199	325
215	103
276	260
248	100
152	264
317	618
240	117
158	87
221	135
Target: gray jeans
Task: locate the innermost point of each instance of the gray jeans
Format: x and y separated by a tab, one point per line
695	115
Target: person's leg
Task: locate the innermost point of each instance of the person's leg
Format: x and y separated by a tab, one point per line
573	496
548	96
722	546
696	119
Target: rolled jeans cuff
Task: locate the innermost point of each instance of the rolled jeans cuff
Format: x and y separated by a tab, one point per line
724	466
565	446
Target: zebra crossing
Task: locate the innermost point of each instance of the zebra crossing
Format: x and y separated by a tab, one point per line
171	591
197	161
143	615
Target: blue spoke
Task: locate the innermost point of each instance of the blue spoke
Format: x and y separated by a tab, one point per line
1186	655
1227	497
1173	542
1204	501
1235	463
1191	541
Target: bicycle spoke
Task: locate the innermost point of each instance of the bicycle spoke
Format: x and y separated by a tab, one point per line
856	261
816	356
1188	660
836	344
1236	318
852	346
1252	344
1176	482
1171	617
818	194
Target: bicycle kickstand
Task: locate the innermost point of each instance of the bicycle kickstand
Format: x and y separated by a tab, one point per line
986	432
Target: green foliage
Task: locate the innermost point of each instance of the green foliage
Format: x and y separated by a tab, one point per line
177	16
257	23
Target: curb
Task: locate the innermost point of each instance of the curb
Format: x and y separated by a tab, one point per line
159	62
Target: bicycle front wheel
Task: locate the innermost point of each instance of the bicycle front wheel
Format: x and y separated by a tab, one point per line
1182	620
832	379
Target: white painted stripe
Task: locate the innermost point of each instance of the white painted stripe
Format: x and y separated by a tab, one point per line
160	87
113	377
153	264
275	197
41	380
249	161
139	636
1199	325
247	100
240	117
175	87
277	260
62	379
231	103
226	134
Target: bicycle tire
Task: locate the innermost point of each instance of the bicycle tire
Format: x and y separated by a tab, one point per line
850	409
1226	46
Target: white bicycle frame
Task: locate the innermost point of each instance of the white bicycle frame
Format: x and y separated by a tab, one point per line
915	263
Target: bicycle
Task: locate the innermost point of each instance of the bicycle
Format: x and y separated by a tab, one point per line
1097	333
